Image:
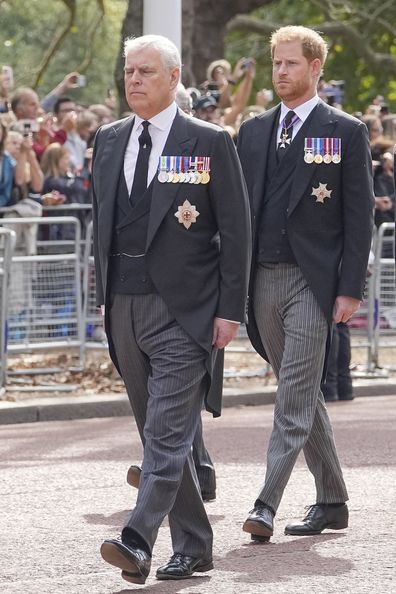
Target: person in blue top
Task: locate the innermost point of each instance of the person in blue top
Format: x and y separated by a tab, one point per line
7	165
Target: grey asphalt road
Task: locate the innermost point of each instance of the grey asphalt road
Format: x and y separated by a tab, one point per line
63	491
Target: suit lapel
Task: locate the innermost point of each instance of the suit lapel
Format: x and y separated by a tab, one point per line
109	170
113	155
178	143
262	131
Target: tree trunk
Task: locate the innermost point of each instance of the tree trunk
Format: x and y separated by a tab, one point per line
131	26
204	23
210	20
188	78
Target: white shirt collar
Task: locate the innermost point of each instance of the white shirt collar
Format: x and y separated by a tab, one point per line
302	110
163	120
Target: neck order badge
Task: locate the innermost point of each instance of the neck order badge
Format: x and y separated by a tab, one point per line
287	130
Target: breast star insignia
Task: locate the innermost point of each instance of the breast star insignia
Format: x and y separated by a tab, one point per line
187	214
321	192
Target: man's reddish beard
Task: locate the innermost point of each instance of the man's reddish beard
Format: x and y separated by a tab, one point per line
292	90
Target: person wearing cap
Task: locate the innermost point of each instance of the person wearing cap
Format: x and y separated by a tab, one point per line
207	108
172	249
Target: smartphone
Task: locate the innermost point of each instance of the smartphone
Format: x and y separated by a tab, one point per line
81	80
247	64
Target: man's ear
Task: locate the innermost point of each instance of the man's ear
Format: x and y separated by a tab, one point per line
316	66
175	77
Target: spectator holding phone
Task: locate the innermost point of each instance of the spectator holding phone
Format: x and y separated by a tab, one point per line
28	171
25	105
10	173
73	80
78	138
246	71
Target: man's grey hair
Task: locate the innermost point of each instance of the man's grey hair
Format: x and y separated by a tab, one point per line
169	53
183	98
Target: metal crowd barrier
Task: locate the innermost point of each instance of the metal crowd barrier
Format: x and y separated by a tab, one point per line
384	294
7	244
52	301
93	321
45	310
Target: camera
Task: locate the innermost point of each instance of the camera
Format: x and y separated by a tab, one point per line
26	126
247	64
212	86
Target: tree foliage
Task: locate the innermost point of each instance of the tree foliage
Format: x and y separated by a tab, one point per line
44	40
361	35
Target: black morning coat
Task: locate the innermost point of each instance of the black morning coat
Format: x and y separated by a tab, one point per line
198	276
330	239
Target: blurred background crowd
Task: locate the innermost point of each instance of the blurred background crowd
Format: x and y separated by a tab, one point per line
46	142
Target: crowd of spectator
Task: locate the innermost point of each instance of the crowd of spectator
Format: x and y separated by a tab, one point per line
46	145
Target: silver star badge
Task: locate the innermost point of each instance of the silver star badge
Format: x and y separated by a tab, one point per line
187	214
284	140
321	192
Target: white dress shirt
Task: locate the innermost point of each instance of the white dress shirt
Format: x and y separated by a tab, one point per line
159	128
302	111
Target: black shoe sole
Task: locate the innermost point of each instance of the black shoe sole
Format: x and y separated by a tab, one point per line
115	556
133	476
133	578
257	538
257	529
200	568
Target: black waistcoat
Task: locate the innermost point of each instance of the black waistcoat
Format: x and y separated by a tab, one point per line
273	244
129	275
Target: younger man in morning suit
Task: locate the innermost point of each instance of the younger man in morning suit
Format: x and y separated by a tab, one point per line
309	177
171	247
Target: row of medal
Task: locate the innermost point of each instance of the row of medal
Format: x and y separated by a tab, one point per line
322	150
187	170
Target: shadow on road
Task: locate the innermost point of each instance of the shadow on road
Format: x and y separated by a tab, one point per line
271	562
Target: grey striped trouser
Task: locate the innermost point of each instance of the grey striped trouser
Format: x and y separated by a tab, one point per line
165	376
294	331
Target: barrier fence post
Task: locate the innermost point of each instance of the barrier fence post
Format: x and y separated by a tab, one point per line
7	245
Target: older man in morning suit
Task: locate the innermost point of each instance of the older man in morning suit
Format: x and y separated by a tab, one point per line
309	177
171	246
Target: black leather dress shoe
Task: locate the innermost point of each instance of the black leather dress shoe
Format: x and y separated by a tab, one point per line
133	476
134	562
260	523
206	478
180	567
319	517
